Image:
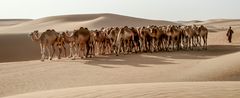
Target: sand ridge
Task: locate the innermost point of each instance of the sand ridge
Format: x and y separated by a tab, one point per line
71	22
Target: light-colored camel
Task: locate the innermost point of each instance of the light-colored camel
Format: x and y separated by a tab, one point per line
145	38
70	41
124	40
47	40
112	34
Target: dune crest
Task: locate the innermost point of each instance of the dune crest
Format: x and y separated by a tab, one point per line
70	22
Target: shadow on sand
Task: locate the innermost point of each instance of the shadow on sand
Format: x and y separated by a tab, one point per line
160	58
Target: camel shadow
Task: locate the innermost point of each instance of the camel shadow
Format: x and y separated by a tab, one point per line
160	58
213	51
135	60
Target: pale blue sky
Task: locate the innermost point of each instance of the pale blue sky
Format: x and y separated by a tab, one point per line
150	9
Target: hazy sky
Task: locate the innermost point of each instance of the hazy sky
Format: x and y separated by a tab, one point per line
150	9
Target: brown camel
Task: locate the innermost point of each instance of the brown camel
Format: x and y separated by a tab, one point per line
174	36
156	34
135	40
188	36
47	40
79	42
203	33
60	42
81	39
101	41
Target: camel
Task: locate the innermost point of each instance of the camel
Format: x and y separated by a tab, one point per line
145	38
78	42
47	40
189	34
174	36
91	44
112	34
135	40
101	42
124	39
156	35
70	41
203	33
163	44
60	42
81	39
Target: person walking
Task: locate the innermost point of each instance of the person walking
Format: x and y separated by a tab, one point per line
229	34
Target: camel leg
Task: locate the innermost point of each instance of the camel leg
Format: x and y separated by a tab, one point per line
144	45
75	52
49	52
205	42
168	43
96	48
193	43
118	49
71	50
173	42
60	52
199	42
152	45
65	53
87	49
189	43
80	51
52	47
42	47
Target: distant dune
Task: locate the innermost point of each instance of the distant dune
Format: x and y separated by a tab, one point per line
71	22
215	25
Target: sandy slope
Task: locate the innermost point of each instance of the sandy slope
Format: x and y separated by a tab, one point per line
145	90
31	76
164	74
71	22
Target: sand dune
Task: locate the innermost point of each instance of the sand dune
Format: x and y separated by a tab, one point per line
31	76
71	22
159	75
217	69
146	90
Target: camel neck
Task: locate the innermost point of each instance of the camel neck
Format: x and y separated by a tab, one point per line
36	38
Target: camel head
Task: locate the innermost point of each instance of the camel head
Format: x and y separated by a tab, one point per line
34	35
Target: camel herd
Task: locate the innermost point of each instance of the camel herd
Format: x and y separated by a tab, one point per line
120	40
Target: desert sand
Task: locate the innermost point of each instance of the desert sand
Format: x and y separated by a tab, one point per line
214	73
